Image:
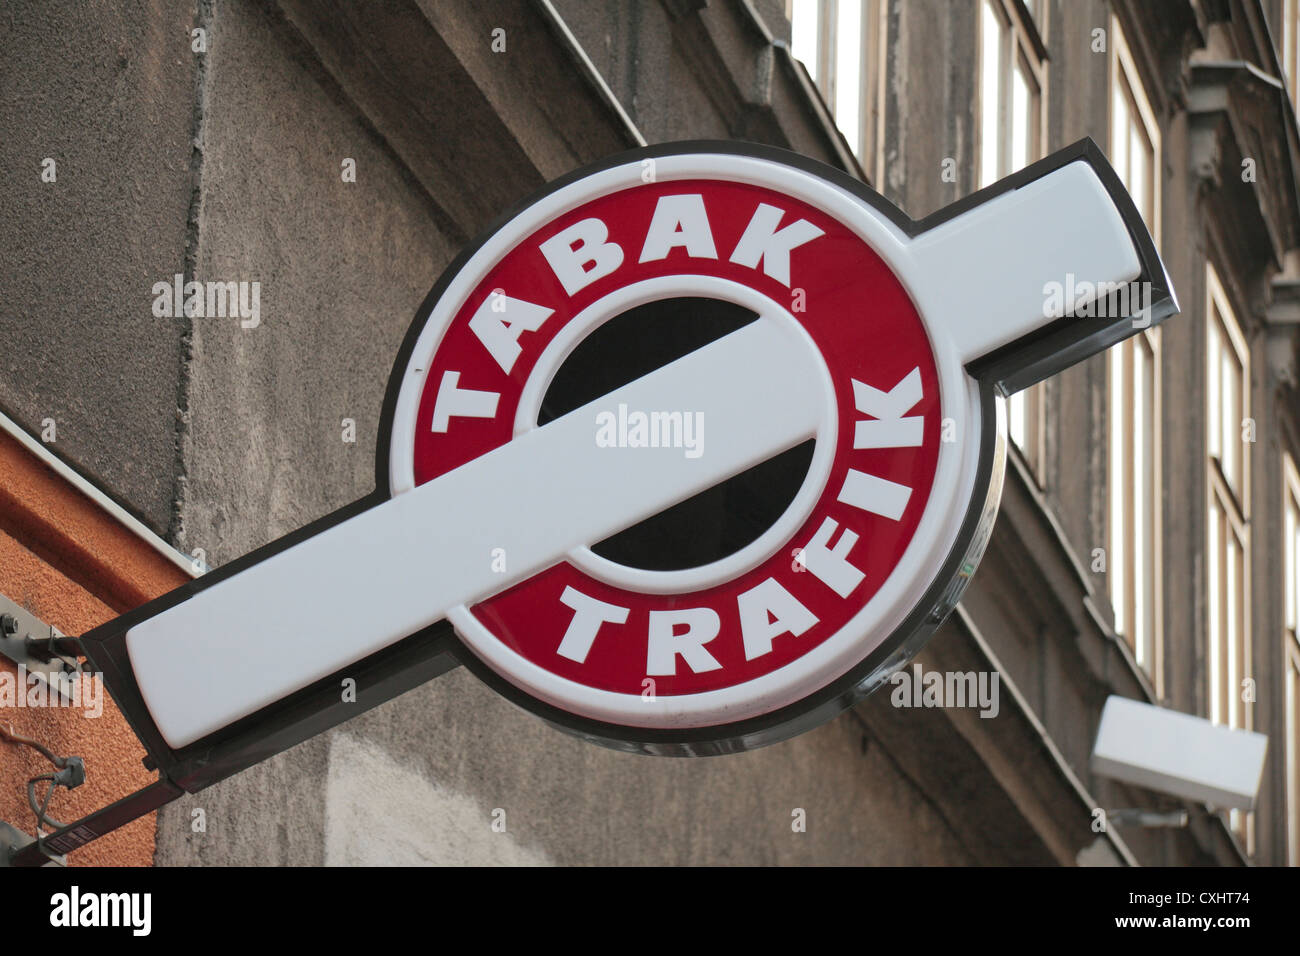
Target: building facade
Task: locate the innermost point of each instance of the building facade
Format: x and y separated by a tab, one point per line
338	155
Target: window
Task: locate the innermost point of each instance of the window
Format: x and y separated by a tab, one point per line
1134	502
1010	90
1227	546
1291	651
1010	87
1134	391
1293	754
840	43
1025	426
1134	136
1225	408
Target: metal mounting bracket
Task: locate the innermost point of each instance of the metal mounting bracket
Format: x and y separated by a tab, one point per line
39	649
12	840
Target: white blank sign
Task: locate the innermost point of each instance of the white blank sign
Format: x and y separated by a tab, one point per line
1177	753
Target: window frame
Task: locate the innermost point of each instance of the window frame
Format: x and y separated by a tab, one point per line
1020	43
871	75
1234	505
1126	83
1124	69
1020	48
1291	659
1148	647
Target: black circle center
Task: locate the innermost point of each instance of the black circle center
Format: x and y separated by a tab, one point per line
715	523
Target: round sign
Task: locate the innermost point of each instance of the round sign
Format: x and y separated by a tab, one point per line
631	297
693	450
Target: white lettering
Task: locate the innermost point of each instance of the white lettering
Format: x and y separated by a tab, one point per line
768	611
877	495
499	322
453	401
679	221
889	429
702	625
580	255
763	241
588	615
828	562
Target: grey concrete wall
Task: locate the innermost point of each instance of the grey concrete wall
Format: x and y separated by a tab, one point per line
342	268
564	801
929	103
105	90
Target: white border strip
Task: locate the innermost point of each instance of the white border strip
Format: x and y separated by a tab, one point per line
105	503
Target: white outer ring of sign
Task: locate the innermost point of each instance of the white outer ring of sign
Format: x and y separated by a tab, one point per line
935	534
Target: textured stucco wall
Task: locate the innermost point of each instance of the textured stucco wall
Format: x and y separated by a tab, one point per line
104	89
111	752
74	567
564	800
341	266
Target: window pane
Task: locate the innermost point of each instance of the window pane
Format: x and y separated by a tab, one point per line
1119	126
1289	559
1295	577
1233	635
1288	39
1118	456
1143	492
1231	440
1021	118
1214	579
1289	44
1016	418
1140	158
1293	757
990	93
1241	642
1136	163
848	72
803	35
1134	450
1214	387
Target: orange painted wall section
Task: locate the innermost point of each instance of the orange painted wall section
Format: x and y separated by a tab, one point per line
74	566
